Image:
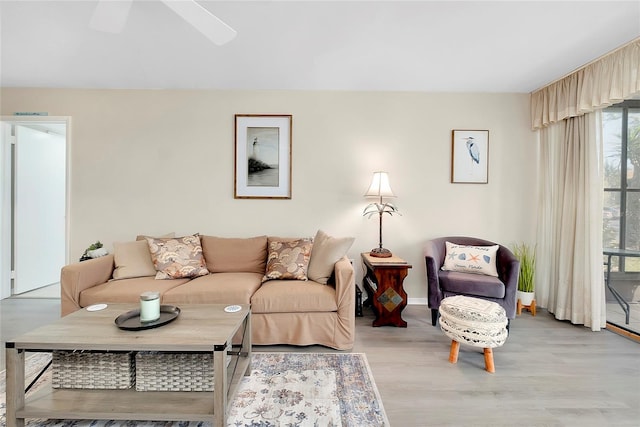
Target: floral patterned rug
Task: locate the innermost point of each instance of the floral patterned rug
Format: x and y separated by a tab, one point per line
284	389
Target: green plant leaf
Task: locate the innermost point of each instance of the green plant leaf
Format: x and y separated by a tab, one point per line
527	257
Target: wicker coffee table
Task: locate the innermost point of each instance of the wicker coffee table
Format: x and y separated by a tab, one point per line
198	328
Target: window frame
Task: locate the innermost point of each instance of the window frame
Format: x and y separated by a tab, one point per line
625	106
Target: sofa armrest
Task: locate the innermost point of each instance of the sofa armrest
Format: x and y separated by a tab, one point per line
345	279
76	277
434	256
345	283
508	272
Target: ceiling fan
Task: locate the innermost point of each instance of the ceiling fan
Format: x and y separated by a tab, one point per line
111	15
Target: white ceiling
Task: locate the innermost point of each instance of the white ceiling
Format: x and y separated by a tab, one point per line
443	46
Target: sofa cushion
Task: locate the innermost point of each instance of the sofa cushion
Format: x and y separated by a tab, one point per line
225	255
471	284
326	251
471	259
287	259
218	288
126	290
132	259
293	296
178	257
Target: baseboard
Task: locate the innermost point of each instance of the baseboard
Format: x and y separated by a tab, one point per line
417	301
623	331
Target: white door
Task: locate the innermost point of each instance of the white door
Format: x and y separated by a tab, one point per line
5	209
39	208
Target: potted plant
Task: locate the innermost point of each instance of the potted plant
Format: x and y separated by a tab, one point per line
526	286
95	250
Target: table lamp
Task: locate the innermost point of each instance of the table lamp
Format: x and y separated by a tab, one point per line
380	188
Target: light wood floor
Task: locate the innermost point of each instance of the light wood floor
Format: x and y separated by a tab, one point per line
548	373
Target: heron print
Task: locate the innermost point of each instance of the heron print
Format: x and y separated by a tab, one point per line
470	156
473	150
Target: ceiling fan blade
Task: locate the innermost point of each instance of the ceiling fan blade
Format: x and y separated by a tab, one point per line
110	15
204	21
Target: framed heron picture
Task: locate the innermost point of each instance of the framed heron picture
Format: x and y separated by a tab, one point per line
262	156
470	156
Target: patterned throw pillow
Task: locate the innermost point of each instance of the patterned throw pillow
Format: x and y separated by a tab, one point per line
287	259
471	259
176	258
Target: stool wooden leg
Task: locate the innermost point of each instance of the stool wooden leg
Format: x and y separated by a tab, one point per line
519	307
533	307
453	354
488	360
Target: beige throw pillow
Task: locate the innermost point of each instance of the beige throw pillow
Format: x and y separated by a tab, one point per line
326	252
132	259
176	258
287	259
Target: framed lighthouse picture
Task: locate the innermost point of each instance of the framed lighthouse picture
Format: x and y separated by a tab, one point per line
470	156
262	156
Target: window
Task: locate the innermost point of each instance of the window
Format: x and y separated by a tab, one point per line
621	214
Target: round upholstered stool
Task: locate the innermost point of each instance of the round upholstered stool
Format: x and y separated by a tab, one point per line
473	321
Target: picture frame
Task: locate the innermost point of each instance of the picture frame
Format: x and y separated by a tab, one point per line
469	156
263	145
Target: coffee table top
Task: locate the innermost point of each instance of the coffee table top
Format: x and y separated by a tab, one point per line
199	327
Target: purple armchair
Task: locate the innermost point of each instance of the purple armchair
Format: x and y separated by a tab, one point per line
441	284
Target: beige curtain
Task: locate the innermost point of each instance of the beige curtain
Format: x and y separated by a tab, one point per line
569	274
606	81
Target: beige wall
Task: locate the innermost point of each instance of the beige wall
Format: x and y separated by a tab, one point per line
156	161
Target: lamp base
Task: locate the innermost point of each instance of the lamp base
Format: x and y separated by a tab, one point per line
380	253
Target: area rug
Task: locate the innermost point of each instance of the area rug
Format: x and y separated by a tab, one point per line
284	389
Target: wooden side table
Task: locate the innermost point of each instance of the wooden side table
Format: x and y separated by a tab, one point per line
383	282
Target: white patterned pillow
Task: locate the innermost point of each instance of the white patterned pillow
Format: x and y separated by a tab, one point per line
471	259
176	258
287	259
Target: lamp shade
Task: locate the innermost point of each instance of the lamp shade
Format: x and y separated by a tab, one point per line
380	186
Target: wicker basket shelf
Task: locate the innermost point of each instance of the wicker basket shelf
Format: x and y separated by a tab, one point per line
93	370
175	371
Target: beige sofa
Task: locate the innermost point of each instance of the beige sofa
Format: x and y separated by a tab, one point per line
292	312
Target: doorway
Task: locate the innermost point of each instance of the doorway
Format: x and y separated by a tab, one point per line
34	202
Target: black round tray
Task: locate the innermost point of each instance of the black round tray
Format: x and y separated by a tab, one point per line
130	320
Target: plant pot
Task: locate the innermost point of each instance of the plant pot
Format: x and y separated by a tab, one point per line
97	253
525	297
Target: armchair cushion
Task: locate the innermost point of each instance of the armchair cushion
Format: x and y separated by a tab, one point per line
471	259
465	284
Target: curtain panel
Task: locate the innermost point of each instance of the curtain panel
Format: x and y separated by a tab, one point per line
569	274
606	81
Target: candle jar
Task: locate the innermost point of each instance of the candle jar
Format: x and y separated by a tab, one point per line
149	306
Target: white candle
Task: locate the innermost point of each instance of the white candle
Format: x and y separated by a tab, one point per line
149	306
